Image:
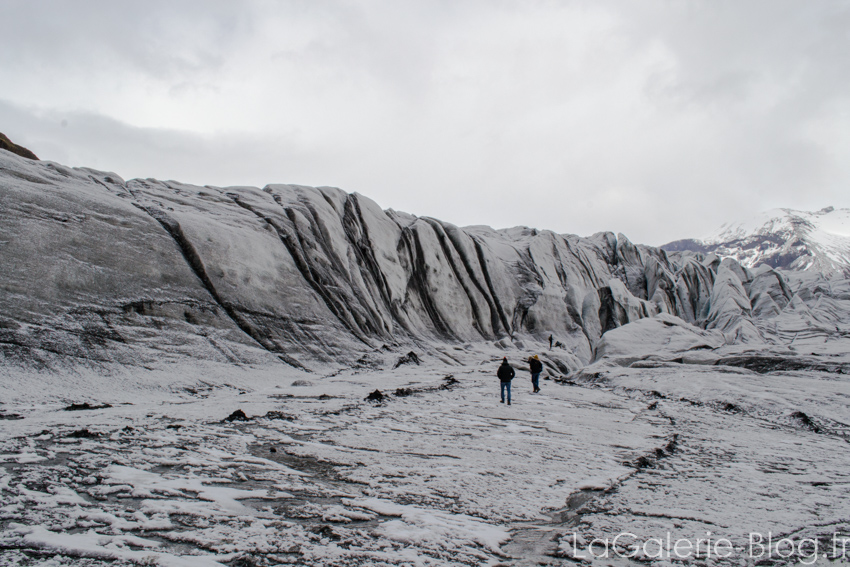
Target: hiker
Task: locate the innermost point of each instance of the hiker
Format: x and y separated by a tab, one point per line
506	374
551	338
536	367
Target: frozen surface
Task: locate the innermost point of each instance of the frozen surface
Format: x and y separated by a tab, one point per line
438	473
684	394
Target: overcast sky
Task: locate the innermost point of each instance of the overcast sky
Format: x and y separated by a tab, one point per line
658	119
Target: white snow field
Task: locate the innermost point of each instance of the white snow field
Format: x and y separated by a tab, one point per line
441	473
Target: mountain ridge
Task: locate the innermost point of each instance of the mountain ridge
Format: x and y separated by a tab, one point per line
781	238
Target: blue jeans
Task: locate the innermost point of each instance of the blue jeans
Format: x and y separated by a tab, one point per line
534	379
506	386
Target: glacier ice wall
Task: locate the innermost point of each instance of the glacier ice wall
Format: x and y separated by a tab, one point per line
98	270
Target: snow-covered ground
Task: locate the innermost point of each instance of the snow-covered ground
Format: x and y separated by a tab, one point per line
434	477
438	473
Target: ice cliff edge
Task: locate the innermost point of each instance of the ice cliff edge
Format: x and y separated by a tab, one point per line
97	270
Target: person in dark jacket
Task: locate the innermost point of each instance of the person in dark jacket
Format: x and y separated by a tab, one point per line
506	374
536	367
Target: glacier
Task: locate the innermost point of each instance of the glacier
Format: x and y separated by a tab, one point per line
100	271
689	390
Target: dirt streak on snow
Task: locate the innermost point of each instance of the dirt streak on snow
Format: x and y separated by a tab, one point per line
442	476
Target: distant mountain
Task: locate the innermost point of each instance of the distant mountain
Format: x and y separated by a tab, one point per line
781	238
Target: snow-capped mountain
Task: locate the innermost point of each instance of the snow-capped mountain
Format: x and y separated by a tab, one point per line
782	238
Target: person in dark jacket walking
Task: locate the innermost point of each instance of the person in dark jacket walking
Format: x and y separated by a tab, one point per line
506	374
536	367
551	338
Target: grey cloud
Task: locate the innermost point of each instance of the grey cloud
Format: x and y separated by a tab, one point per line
160	38
657	119
87	140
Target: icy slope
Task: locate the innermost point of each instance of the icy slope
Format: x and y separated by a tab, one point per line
105	272
782	238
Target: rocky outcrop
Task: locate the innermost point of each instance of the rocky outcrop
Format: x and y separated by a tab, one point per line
10	146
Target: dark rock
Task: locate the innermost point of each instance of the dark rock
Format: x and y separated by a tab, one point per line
805	421
173	426
326	531
375	396
448	382
643	462
86	406
342	410
280	415
369	361
272	450
10	146
403	392
246	561
325	397
83	434
409	358
238	415
10	416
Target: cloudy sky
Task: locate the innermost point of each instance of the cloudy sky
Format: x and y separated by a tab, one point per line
659	119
